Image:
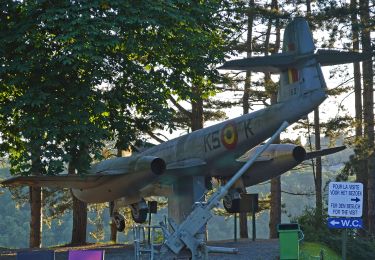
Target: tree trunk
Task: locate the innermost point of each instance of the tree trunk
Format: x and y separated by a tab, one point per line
35	198
35	217
113	235
356	72
245	104
275	207
246	93
361	168
368	112
249	49
79	217
197	110
318	166
371	194
79	222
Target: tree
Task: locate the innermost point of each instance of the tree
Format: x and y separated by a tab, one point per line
318	160
99	71
368	111
361	165
275	208
245	102
21	115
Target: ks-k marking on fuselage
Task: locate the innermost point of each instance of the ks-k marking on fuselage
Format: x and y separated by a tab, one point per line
218	150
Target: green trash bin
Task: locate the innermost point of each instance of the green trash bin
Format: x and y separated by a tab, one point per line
289	236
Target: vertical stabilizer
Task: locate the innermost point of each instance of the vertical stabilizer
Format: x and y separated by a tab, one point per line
304	76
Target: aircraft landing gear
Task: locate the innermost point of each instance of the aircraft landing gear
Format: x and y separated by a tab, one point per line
231	201
119	221
139	211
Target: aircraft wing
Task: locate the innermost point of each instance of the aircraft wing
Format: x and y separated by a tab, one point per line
191	167
60	181
146	168
189	163
98	174
323	152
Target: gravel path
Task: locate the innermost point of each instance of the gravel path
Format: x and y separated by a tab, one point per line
249	250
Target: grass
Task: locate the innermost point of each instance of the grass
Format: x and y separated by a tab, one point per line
311	250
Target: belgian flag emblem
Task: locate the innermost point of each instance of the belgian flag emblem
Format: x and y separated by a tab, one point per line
229	136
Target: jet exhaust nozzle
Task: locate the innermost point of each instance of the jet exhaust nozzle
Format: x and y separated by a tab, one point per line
276	160
152	164
299	153
158	166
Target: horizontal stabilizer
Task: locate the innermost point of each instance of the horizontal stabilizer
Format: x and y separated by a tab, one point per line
273	63
324	152
59	181
280	62
335	57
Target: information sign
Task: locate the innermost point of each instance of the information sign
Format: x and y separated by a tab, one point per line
345	199
345	223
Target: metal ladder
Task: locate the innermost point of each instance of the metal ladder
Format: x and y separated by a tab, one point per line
147	245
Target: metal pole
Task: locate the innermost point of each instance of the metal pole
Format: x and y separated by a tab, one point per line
149	228
344	242
235	227
253	219
225	250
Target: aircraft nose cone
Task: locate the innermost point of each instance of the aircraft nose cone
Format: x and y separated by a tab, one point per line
299	153
158	166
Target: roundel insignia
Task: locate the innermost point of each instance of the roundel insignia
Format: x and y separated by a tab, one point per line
229	136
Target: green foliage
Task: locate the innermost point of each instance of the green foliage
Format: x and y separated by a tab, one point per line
337	127
14	229
311	250
315	229
356	165
75	74
98	234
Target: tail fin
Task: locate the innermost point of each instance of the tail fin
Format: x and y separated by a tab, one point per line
298	65
305	75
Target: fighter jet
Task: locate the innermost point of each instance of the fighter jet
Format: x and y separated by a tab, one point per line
219	150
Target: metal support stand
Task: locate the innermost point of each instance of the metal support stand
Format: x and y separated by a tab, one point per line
185	233
344	242
149	230
253	220
235	227
143	246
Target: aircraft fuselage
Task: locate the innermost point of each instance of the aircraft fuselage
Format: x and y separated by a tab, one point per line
218	146
221	144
